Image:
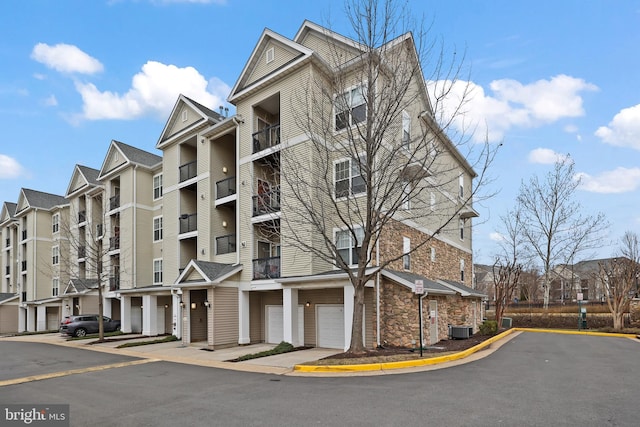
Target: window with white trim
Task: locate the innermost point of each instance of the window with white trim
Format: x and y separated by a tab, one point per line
347	246
406	130
406	249
433	254
461	225
157	187
462	270
157	271
406	195
461	186
55	223
348	178
157	229
55	286
55	255
350	108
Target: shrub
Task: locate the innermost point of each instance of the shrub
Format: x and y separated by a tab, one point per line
489	327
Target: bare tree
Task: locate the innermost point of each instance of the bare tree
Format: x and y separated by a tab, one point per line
379	149
620	276
553	222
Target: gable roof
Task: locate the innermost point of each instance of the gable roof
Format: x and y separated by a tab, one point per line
408	279
207	117
6	297
88	178
131	156
81	286
463	290
209	272
33	199
241	88
8	212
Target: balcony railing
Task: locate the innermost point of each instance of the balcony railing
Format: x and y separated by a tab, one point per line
114	283
226	187
114	243
24	234
266	268
188	223
24	296
114	202
82	251
23	266
188	170
225	244
82	217
265	138
266	202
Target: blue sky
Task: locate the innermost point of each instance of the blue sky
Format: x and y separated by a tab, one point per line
550	78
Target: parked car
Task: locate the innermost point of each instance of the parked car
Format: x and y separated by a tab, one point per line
83	324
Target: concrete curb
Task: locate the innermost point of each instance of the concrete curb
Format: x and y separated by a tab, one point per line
442	359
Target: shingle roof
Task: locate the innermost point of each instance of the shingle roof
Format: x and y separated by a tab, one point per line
215	270
11	208
429	285
457	286
39	199
90	174
137	155
5	296
85	284
207	111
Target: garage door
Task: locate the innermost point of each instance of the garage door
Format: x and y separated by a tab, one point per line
275	324
330	321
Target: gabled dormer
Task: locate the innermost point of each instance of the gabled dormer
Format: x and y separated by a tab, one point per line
187	116
32	199
273	57
8	213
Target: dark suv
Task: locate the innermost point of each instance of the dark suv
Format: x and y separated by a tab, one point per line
83	324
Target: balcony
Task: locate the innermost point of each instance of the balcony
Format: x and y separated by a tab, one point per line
114	202
266	138
188	223
82	217
23	266
114	243
226	187
265	203
266	268
225	244
82	251
188	170
114	283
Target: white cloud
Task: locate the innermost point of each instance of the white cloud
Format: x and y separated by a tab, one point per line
50	101
619	180
496	237
546	156
9	167
623	130
153	91
66	58
512	104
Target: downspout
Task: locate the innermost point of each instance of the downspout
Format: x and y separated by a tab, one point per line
378	294
135	216
33	250
238	122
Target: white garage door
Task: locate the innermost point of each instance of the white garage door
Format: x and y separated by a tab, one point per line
275	324
330	321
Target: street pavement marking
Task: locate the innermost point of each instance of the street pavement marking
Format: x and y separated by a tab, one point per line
74	371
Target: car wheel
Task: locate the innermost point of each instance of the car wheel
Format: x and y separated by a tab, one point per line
118	328
80	332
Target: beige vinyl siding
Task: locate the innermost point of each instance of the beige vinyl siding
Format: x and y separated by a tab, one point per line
170	214
256	327
89	304
333	53
225	322
282	55
8	318
178	124
114	159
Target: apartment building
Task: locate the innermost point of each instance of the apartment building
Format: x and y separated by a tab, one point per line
9	297
196	242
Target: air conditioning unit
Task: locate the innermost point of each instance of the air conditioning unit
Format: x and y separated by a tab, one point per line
506	322
461	332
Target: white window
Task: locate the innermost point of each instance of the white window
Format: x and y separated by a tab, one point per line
433	254
270	55
157	271
55	286
461	222
406	195
55	223
461	185
157	229
157	187
350	108
462	270
55	255
406	248
348	178
432	201
406	130
348	247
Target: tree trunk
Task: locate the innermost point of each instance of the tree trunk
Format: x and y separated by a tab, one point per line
356	345
618	320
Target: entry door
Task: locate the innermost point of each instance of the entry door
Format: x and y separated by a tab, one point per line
433	322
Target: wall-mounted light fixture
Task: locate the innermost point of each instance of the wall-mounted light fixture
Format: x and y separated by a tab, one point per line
166	306
207	304
181	304
67	307
202	251
307	304
193	306
224	224
78	306
225	170
202	196
141	307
